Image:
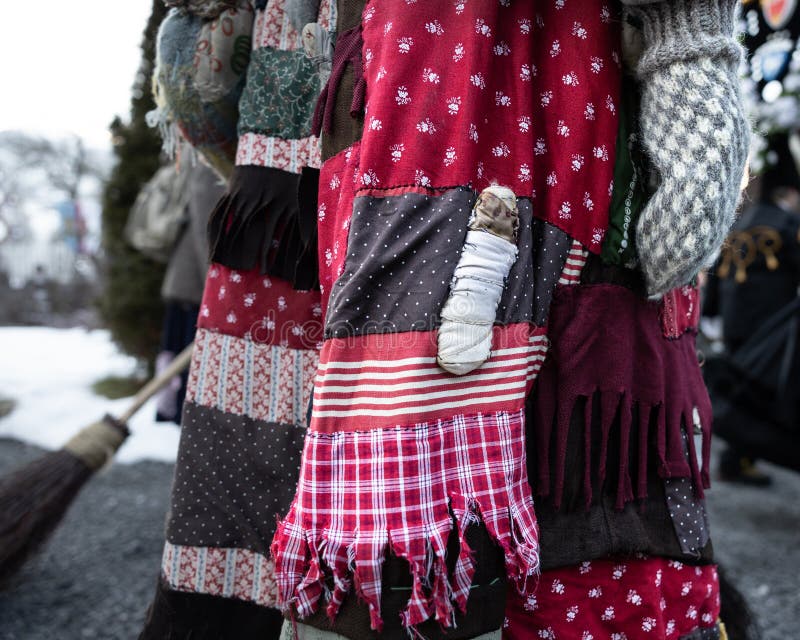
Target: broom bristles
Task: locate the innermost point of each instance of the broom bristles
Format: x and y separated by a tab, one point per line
33	499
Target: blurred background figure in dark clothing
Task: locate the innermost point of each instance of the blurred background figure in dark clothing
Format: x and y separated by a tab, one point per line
168	224
758	273
182	290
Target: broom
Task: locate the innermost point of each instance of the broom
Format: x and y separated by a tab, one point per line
35	497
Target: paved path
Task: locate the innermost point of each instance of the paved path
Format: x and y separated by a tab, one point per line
96	577
756	534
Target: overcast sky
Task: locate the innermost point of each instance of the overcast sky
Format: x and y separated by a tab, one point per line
68	67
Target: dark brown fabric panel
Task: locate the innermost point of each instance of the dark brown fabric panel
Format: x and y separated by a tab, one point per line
402	252
703	633
233	478
688	512
175	615
574	533
348	14
346	129
267	220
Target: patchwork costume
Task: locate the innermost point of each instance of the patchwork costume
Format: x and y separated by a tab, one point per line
415	503
203	51
256	354
414	508
405	463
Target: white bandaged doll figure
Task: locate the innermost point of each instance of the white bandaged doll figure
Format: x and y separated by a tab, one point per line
490	250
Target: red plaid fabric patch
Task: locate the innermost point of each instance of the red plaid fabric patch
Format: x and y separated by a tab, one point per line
362	494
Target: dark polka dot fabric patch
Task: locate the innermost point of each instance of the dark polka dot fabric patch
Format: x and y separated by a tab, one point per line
401	255
702	633
543	251
234	476
688	513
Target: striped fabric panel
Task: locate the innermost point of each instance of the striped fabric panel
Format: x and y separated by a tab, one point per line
576	260
230	573
274	29
379	381
243	377
278	153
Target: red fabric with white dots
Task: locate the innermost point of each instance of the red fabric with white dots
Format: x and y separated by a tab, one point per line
469	93
265	309
648	598
335	209
460	93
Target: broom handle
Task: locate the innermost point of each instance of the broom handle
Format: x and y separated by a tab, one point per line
178	364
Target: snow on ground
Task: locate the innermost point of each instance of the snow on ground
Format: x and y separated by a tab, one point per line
49	373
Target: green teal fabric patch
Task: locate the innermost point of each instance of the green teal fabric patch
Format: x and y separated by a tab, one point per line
281	91
630	184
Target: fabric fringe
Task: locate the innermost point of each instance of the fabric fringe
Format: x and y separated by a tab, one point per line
352	559
262	222
554	415
167	130
627	369
33	500
408	491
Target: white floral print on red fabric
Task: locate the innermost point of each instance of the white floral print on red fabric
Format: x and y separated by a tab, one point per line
498	103
650	598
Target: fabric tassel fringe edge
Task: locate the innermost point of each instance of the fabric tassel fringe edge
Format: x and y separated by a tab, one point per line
435	592
257	224
672	423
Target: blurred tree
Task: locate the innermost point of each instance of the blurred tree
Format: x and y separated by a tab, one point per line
61	165
131	305
35	170
13	225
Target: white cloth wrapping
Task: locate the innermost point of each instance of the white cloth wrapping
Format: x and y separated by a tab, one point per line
465	335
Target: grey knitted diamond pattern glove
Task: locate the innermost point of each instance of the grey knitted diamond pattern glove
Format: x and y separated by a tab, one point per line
695	132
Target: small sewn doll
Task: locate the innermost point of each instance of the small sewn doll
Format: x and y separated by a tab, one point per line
490	250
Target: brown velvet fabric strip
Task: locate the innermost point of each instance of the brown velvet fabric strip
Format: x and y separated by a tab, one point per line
266	220
345	129
175	615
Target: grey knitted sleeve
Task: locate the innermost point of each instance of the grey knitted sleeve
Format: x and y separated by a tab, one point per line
695	132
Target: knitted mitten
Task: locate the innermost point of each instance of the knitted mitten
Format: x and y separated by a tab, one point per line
695	132
490	250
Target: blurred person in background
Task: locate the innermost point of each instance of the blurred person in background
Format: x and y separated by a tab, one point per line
168	224
758	274
182	289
